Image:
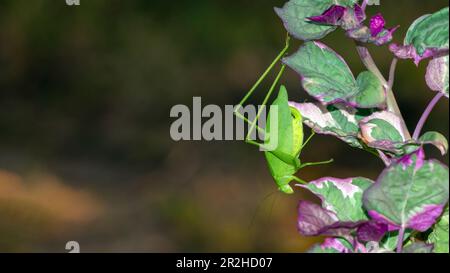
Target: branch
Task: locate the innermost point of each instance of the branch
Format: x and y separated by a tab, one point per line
392	73
426	114
384	157
392	105
401	236
364	5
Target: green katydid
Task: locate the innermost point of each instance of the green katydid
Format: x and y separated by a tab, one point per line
283	159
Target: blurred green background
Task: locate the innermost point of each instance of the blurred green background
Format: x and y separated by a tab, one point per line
85	150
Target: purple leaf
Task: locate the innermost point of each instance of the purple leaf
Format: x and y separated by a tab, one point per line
385	36
335	243
437	75
313	220
377	24
338	245
331	16
416	158
371	231
359	13
426	218
409	52
353	18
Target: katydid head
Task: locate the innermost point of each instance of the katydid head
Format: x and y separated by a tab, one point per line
286	188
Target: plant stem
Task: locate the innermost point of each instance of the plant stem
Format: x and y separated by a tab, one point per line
384	157
392	73
392	105
401	236
364	5
426	114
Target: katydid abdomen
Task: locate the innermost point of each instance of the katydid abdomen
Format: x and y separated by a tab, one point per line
283	160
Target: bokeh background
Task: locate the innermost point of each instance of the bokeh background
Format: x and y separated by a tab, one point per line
85	150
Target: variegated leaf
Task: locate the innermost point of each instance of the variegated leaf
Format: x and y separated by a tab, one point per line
337	120
384	131
342	196
410	193
437	74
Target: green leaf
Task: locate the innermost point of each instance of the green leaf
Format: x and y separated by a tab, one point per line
326	77
437	74
342	196
337	120
384	131
418	247
371	92
411	193
295	13
439	237
436	139
285	143
429	31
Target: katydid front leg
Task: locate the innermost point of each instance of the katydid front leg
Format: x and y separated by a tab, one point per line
309	164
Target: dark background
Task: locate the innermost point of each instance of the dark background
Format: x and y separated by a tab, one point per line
85	150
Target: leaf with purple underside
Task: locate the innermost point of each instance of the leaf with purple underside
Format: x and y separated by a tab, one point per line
418	247
294	15
437	74
326	76
410	193
337	120
341	196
